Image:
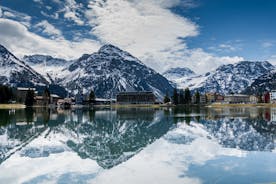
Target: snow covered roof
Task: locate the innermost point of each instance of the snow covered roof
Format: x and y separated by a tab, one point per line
55	96
104	100
25	89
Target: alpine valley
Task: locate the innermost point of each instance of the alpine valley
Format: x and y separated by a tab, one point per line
112	70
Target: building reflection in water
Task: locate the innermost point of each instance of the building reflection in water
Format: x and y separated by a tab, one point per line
112	136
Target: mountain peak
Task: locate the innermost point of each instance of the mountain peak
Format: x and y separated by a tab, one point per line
108	48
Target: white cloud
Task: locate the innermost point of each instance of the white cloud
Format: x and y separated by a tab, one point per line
22	42
18	16
70	11
150	31
146	28
227	47
267	44
9	14
1	12
38	1
73	16
272	60
198	60
48	7
48	28
54	15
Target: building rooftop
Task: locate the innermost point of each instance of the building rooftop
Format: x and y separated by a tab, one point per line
135	92
55	96
241	95
25	89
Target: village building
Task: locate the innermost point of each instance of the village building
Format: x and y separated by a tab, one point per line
65	103
273	114
273	96
266	97
253	99
21	94
194	99
219	98
54	99
236	98
80	99
103	101
202	99
41	100
136	98
211	97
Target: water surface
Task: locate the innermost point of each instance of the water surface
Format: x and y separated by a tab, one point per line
143	145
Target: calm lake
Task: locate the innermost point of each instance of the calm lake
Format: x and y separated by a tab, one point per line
144	145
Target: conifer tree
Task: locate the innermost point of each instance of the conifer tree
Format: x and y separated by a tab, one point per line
166	98
92	97
181	97
197	96
29	101
175	97
187	96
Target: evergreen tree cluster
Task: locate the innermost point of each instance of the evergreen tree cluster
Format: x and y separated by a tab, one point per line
5	94
182	97
29	101
167	98
92	97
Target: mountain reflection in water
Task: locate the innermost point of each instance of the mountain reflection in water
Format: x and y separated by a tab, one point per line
111	137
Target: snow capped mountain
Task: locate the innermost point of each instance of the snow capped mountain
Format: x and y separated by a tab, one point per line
47	66
112	70
109	71
227	78
264	83
15	72
175	73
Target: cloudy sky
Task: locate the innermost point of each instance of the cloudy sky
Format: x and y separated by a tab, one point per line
200	34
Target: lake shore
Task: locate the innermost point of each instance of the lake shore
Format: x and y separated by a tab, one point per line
12	106
214	105
217	105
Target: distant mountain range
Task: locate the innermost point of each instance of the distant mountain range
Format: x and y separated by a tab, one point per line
231	78
15	72
107	72
47	66
112	70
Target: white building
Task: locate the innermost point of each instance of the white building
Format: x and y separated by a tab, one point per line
253	99
272	96
236	98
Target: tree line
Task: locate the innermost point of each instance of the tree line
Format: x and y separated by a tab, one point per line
182	97
6	94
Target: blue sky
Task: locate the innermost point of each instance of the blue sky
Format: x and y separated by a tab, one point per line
200	34
246	27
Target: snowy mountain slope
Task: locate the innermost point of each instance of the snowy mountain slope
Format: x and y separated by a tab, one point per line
15	72
227	78
47	66
176	73
266	82
109	71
